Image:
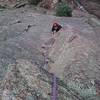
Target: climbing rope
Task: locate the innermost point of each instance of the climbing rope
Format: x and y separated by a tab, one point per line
54	88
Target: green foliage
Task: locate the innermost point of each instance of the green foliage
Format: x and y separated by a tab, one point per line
34	2
64	10
86	93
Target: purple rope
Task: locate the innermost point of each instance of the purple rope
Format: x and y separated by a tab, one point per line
54	88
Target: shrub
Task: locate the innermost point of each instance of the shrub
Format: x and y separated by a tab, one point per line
64	10
34	2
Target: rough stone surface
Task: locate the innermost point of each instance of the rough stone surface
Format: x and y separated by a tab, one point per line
25	43
73	54
92	6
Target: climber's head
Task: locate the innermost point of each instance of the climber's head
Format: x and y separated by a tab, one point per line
55	24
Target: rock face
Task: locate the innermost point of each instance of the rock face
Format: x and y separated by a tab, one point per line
12	39
27	81
8	2
74	57
23	81
48	4
24	68
93	7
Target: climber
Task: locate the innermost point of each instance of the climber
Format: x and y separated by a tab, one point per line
56	27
